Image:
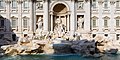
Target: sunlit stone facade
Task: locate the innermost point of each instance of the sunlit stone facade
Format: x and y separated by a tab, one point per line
25	17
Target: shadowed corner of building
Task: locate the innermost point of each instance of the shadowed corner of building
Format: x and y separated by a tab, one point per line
7	36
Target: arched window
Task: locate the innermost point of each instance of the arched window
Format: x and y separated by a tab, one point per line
14	21
14	4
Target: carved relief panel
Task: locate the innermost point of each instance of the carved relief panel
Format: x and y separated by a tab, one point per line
80	5
39	5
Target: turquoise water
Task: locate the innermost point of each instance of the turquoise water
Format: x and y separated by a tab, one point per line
59	57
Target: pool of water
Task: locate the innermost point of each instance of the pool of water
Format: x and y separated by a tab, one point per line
59	57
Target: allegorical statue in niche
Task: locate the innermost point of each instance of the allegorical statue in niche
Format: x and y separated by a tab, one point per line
80	5
40	25
59	28
39	5
80	23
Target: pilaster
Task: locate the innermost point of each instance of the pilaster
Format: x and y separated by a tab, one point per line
20	27
101	21
46	16
34	15
112	20
73	18
8	27
87	16
31	17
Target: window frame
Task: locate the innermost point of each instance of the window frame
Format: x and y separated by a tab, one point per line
118	4
94	21
25	4
2	23
2	4
15	19
94	3
117	19
106	4
25	22
105	23
117	22
14	4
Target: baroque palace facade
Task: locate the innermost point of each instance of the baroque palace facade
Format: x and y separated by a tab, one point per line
25	17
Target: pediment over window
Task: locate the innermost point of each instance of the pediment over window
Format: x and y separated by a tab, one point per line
94	17
118	17
13	17
80	0
26	17
1	17
39	0
106	17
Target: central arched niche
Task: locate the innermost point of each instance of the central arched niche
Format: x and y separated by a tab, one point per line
60	18
60	8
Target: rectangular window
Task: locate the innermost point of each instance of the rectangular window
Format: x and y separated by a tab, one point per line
105	23
14	4
2	23
117	23
26	4
106	4
117	4
94	4
2	4
25	23
94	23
1	36
14	23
